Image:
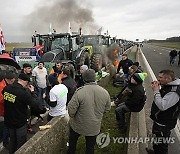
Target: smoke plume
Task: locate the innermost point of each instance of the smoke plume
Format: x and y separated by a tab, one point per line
59	13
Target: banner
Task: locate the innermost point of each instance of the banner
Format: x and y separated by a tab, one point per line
2	42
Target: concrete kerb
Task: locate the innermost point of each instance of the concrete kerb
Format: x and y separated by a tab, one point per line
137	126
133	148
49	141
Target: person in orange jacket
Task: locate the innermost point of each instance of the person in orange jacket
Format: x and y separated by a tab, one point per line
9	78
57	69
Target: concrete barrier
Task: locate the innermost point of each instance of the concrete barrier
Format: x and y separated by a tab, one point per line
49	141
137	126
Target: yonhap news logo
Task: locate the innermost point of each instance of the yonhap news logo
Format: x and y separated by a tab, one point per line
103	140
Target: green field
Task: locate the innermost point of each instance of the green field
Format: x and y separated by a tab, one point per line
175	45
10	46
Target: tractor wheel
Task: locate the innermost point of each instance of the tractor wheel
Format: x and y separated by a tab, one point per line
96	62
85	59
71	68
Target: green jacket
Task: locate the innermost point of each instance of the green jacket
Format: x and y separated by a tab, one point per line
86	109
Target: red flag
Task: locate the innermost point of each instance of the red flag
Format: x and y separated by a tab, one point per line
2	42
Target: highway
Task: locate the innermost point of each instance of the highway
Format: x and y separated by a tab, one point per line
158	59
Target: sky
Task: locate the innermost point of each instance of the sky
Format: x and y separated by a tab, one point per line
125	19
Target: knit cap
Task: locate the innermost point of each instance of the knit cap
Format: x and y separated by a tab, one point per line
89	75
139	77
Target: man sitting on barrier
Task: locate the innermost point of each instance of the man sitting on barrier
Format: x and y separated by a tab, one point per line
135	100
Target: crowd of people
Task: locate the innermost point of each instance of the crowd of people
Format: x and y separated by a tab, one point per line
34	92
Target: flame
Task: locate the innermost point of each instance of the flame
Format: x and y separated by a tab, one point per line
116	63
115	56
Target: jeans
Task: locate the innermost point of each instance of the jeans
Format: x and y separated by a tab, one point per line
73	138
120	114
161	132
125	79
17	138
172	59
5	135
41	91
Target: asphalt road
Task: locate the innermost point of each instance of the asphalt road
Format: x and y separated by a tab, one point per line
158	59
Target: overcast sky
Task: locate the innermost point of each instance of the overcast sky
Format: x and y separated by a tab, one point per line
127	19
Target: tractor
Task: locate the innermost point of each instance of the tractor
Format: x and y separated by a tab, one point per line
63	46
101	50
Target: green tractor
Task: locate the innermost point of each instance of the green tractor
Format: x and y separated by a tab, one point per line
99	47
63	46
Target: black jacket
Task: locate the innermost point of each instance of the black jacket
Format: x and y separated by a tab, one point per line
71	85
169	116
16	101
137	98
79	80
173	53
125	64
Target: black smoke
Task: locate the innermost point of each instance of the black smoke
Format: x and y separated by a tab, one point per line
59	13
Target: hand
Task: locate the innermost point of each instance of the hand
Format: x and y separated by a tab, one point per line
44	95
155	85
31	88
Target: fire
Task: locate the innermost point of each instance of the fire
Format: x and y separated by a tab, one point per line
115	56
116	63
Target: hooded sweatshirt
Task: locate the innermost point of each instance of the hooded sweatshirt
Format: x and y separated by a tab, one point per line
166	105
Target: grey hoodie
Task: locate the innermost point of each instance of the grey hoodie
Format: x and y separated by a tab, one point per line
166	105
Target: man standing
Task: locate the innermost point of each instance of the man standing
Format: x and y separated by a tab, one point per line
172	54
39	74
8	79
27	69
69	83
57	98
125	63
79	80
86	109
16	100
57	69
165	108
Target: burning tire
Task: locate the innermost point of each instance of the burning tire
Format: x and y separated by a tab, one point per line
96	62
85	59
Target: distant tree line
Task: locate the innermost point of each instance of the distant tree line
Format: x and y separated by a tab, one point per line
171	39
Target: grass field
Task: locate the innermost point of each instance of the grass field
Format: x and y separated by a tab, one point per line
175	45
10	46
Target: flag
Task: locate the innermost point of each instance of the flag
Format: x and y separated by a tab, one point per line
2	42
69	29
50	28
